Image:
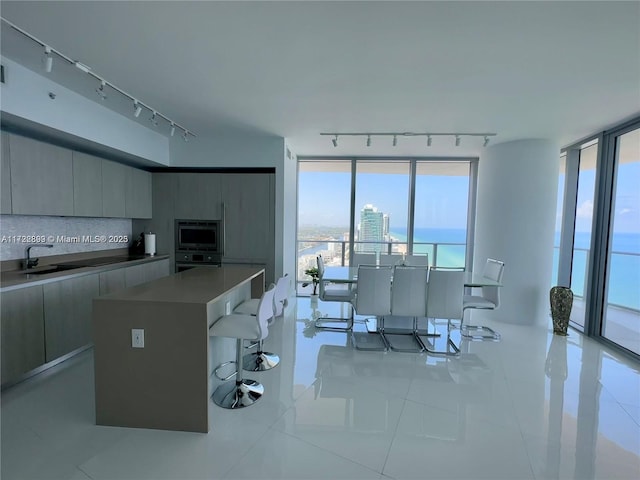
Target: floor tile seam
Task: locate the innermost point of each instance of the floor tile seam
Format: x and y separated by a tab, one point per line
84	472
393	438
248	450
330	452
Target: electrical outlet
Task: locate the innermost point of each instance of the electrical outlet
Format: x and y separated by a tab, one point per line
137	337
227	308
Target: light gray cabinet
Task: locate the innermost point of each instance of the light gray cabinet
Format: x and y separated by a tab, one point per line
21	316
146	272
41	177
67	314
5	175
249	219
198	196
114	187
111	281
87	185
138	194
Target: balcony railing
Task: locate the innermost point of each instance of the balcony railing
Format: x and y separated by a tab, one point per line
335	252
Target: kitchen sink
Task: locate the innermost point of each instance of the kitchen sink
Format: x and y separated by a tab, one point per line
52	269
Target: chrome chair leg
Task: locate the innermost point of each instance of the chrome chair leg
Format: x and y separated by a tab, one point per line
260	361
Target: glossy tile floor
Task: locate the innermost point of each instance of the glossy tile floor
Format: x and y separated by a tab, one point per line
533	405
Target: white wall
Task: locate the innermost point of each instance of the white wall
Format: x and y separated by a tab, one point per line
515	222
26	95
289	216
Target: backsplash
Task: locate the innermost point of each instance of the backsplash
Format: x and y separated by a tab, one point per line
66	234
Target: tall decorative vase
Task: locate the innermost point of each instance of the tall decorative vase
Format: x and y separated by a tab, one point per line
561	299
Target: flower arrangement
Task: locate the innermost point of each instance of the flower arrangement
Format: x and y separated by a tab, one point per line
315	278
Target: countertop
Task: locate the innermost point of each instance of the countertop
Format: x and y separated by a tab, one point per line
14	279
198	285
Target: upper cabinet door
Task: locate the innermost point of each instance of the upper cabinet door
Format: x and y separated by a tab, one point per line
5	175
198	196
41	177
114	188
138	198
87	185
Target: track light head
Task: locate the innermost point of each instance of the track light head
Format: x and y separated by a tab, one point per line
395	140
47	59
368	140
173	129
429	139
100	90
457	140
137	109
335	141
185	136
154	119
486	141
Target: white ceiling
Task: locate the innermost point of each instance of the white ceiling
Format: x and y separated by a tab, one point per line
559	70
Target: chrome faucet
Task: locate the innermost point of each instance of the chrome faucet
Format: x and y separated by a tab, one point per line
32	262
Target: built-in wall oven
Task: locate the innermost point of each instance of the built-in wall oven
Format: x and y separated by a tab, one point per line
198	243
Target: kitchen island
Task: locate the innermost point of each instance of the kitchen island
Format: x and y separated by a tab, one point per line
165	384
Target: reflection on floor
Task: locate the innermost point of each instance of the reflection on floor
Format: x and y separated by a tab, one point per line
533	405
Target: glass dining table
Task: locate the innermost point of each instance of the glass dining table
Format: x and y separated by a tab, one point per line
349	275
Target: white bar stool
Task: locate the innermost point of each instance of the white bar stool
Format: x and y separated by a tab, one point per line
242	392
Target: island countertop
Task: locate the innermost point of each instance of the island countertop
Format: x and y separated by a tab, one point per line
166	382
198	285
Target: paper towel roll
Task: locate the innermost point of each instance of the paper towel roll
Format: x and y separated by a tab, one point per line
150	244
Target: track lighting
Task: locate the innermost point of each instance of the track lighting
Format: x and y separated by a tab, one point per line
47	60
100	90
184	136
173	128
47	65
154	119
395	135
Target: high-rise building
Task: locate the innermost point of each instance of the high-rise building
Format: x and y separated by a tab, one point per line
371	229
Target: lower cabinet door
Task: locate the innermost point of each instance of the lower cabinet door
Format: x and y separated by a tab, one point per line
67	314
22	332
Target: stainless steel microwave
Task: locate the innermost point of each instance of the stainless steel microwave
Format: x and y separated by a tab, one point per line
200	235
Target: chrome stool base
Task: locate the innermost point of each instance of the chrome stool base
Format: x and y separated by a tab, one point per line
235	395
260	361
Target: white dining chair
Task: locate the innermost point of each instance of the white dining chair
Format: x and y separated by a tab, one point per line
408	299
488	300
373	298
417	260
334	292
390	259
444	301
358	259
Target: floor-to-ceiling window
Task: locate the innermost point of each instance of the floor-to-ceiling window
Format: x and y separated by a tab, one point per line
405	205
381	206
621	315
587	157
599	247
441	212
324	199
